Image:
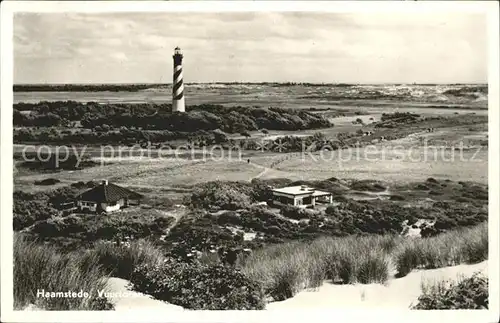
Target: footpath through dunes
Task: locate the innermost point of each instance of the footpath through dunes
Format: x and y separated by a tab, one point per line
120	294
397	293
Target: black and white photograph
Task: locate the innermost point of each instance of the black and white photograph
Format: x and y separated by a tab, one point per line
162	159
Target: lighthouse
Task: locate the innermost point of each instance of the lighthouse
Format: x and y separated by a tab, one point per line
177	85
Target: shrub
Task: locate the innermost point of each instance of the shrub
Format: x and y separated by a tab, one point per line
331	210
197	286
38	267
221	195
368	185
29	208
47	181
114	226
294	212
468	293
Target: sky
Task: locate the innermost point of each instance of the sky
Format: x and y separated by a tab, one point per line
251	47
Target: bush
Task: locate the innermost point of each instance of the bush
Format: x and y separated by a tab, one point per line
38	267
114	226
30	208
221	195
47	181
469	293
294	212
331	210
368	185
199	287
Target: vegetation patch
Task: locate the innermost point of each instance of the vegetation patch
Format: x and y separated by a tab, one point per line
468	294
117	226
198	286
50	162
288	268
159	117
47	181
39	267
121	259
221	195
468	245
368	185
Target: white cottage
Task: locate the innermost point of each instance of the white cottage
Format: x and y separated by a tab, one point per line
301	196
106	197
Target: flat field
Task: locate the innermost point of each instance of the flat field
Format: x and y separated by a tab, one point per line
411	158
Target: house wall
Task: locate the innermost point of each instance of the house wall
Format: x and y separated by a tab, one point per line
110	207
302	200
325	199
299	200
87	206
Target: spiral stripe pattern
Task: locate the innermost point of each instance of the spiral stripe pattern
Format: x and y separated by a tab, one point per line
178	88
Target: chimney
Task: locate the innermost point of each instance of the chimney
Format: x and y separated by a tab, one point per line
105	182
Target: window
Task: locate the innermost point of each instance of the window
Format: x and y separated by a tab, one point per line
87	204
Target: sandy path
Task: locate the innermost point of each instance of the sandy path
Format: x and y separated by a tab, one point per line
396	294
125	299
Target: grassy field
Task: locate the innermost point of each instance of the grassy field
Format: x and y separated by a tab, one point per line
386	165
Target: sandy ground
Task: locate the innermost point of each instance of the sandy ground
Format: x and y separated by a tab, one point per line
396	294
126	299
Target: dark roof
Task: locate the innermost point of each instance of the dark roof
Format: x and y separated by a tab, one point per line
108	193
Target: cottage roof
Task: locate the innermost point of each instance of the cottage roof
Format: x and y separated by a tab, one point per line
300	190
108	192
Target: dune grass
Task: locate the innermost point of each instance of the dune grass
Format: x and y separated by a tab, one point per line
288	268
121	260
38	268
467	245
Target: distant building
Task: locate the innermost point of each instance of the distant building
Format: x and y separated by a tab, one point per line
301	196
178	104
106	197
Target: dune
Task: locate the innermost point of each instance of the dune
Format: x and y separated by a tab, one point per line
124	298
400	293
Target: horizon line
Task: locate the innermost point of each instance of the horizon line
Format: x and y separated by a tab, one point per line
261	82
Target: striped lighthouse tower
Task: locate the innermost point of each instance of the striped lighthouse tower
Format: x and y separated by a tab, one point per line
178	86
